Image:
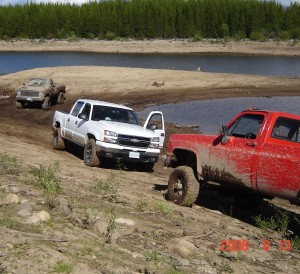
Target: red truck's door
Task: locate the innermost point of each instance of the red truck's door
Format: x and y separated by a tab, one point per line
235	161
278	171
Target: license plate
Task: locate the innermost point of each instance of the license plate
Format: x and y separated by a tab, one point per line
133	154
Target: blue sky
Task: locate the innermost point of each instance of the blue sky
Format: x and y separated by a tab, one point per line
6	2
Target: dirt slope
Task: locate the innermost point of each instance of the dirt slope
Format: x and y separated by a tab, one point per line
158	236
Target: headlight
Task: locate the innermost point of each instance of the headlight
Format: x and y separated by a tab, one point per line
41	94
110	137
154	142
153	145
18	93
110	140
110	133
155	139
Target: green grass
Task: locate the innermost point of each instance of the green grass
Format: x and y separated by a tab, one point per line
162	208
279	222
15	225
45	178
63	268
111	227
10	164
108	187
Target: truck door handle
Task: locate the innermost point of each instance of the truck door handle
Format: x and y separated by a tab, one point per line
76	122
251	144
162	134
68	120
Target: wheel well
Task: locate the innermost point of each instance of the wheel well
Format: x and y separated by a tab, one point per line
186	158
57	124
91	136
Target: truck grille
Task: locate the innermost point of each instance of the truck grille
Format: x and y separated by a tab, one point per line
30	93
133	141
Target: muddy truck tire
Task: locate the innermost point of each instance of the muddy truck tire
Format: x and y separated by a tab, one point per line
58	141
60	98
46	104
90	155
19	104
183	188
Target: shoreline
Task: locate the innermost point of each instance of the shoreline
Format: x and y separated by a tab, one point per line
173	46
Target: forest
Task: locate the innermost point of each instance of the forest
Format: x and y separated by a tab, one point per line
152	19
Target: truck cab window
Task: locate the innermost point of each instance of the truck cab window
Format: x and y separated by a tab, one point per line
286	129
77	108
246	126
86	110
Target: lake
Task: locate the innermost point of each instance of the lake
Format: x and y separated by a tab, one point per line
11	62
209	115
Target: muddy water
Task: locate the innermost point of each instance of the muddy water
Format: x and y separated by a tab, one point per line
209	115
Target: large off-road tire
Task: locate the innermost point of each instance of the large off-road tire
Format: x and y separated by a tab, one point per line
19	104
183	188
46	104
60	98
90	154
58	141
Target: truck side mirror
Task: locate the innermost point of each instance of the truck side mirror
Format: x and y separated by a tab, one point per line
225	136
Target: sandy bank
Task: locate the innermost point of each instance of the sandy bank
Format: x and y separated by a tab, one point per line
156	46
136	87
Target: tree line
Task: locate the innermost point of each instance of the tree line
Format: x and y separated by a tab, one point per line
112	19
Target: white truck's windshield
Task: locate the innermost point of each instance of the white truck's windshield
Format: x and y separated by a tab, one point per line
114	114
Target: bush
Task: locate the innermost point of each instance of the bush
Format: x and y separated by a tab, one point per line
110	35
257	36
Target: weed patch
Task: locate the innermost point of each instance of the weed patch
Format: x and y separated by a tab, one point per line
45	178
63	268
15	225
162	208
108	187
111	227
10	164
278	222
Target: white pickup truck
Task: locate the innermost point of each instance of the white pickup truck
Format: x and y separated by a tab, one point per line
108	130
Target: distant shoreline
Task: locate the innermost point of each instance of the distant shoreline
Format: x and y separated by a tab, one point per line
174	46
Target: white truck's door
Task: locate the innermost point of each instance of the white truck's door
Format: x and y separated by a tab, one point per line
71	120
155	122
81	124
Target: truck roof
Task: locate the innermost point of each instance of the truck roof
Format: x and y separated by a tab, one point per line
103	103
275	113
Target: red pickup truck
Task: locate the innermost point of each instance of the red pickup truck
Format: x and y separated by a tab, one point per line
257	155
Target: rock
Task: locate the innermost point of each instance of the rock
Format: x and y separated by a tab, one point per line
64	207
24	213
207	269
183	247
44	215
15	189
100	227
34	219
12	199
182	262
124	221
25	206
